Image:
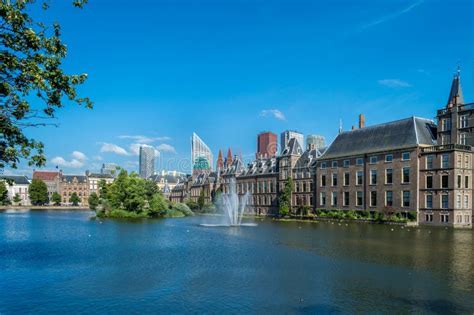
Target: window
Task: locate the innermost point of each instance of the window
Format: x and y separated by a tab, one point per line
389	198
346	163
334	199
405	175
429	217
360	177
359	199
388	176
405	156
464	121
373	198
346	198
466	202
334	179
462	138
346	179
458	201
429	162
459	181
406	198
429	201
459	161
466	182
323	165
429	181
389	158
322	199
444	181
373	177
467	161
444	201
444	218
446	124
445	161
458	218
323	180
467	218
334	164
373	160
359	161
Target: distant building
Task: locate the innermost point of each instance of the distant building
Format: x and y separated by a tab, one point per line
315	142
267	143
287	135
201	155
147	162
94	180
70	184
167	181
220	162
17	185
51	179
109	169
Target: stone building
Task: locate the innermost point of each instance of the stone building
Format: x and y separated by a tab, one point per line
167	181
78	184
51	179
94	180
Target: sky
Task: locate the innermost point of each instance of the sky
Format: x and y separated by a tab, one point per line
160	70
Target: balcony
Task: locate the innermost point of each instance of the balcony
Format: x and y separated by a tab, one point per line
446	147
464	107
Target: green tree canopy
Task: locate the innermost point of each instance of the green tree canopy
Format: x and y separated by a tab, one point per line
38	192
56	198
74	199
3	193
93	201
201	200
31	72
17	199
285	197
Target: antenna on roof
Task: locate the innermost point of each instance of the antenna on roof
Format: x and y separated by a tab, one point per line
340	125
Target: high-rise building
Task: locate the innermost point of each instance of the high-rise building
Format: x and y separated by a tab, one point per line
289	134
201	155
315	142
147	162
266	145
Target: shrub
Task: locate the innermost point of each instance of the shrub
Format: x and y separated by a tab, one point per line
183	208
192	205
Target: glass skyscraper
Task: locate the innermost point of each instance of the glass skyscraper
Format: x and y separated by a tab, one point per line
201	155
147	162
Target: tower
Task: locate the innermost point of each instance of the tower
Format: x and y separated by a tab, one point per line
220	162
146	161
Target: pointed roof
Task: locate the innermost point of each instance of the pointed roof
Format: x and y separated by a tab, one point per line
220	160
293	148
455	95
229	155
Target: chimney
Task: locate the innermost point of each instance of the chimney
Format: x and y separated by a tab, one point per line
361	121
353	127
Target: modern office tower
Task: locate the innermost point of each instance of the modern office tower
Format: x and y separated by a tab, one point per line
289	134
315	142
109	169
266	144
147	162
201	155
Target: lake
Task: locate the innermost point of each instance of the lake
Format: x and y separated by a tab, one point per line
65	262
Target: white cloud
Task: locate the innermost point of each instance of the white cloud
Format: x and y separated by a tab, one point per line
113	148
391	16
135	149
144	139
394	83
97	158
78	155
166	148
273	112
60	161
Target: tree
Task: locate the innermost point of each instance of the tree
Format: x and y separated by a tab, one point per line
31	70
201	200
17	199
285	197
3	194
93	201
56	198
38	192
103	189
74	199
158	205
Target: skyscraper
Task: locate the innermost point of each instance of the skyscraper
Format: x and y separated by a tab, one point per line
201	155
266	144
315	142
147	162
289	134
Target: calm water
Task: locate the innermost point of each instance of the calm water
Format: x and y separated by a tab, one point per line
63	262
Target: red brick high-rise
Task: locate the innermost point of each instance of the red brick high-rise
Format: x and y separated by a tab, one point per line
266	144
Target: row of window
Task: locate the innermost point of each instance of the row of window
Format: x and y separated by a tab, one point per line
463	123
444	218
260	188
359	195
360	161
445	181
405	177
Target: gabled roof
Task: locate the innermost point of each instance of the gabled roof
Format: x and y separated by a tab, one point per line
169	179
405	133
455	95
19	180
308	158
264	166
70	178
100	175
45	175
293	148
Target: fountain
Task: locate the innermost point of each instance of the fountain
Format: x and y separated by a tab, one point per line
233	207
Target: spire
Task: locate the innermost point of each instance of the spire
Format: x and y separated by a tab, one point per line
340	125
455	95
220	161
229	156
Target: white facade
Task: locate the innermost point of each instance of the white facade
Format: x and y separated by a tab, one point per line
17	185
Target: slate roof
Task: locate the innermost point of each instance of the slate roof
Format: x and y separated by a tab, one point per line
456	91
263	166
45	175
400	134
100	175
70	178
308	158
235	168
19	180
170	179
293	148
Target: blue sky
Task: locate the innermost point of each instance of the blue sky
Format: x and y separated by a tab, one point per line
230	69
